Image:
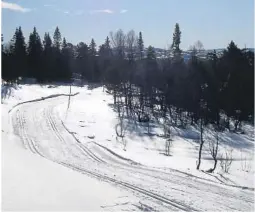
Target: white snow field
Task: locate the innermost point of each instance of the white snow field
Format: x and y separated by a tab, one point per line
57	158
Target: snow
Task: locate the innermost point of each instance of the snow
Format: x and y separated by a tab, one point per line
138	176
30	183
33	183
91	113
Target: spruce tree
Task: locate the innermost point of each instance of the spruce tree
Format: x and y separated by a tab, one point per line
64	44
19	54
176	41
140	46
48	59
82	59
58	75
92	65
57	39
66	58
151	73
151	55
108	50
92	48
35	56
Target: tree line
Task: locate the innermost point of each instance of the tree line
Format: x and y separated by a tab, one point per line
216	89
200	86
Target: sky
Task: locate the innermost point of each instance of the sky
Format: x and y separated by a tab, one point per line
214	22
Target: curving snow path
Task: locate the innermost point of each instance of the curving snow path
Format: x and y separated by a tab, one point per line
43	132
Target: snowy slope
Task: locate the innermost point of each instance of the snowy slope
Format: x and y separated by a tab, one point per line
83	139
33	183
91	114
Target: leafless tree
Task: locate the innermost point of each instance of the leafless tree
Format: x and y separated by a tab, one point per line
118	42
120	127
245	165
213	148
131	44
131	47
226	161
199	46
201	143
168	142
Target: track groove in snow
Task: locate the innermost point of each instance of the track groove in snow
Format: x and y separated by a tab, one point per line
175	204
168	190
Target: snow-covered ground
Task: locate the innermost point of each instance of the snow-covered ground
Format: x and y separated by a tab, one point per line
33	183
83	139
91	114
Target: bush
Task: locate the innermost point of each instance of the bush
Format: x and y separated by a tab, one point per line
226	162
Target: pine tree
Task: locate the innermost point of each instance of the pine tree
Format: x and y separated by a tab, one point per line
151	73
105	54
82	59
66	58
48	59
35	56
235	80
57	62
92	65
140	46
19	54
47	42
151	55
107	43
5	67
92	48
176	41
2	40
107	47
57	39
64	44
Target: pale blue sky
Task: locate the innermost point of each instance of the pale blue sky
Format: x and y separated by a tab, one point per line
214	22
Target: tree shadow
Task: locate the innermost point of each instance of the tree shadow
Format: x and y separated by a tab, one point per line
7	90
136	128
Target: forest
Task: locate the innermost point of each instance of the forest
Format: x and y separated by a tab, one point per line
217	89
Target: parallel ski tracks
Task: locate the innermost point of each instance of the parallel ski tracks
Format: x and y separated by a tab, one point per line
60	130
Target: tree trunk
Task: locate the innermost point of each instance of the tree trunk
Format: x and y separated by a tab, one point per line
215	164
201	144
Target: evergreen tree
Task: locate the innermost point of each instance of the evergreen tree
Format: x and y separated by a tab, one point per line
92	65
140	46
105	54
48	60
47	42
57	39
2	40
5	68
35	56
151	73
64	44
92	48
151	55
66	59
19	54
107	43
107	48
82	59
58	74
176	41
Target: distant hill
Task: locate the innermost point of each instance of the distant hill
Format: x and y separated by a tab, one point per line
162	53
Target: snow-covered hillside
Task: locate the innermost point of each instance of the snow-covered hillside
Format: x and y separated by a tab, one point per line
60	157
33	183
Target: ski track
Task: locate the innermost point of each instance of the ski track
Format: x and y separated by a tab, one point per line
43	133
